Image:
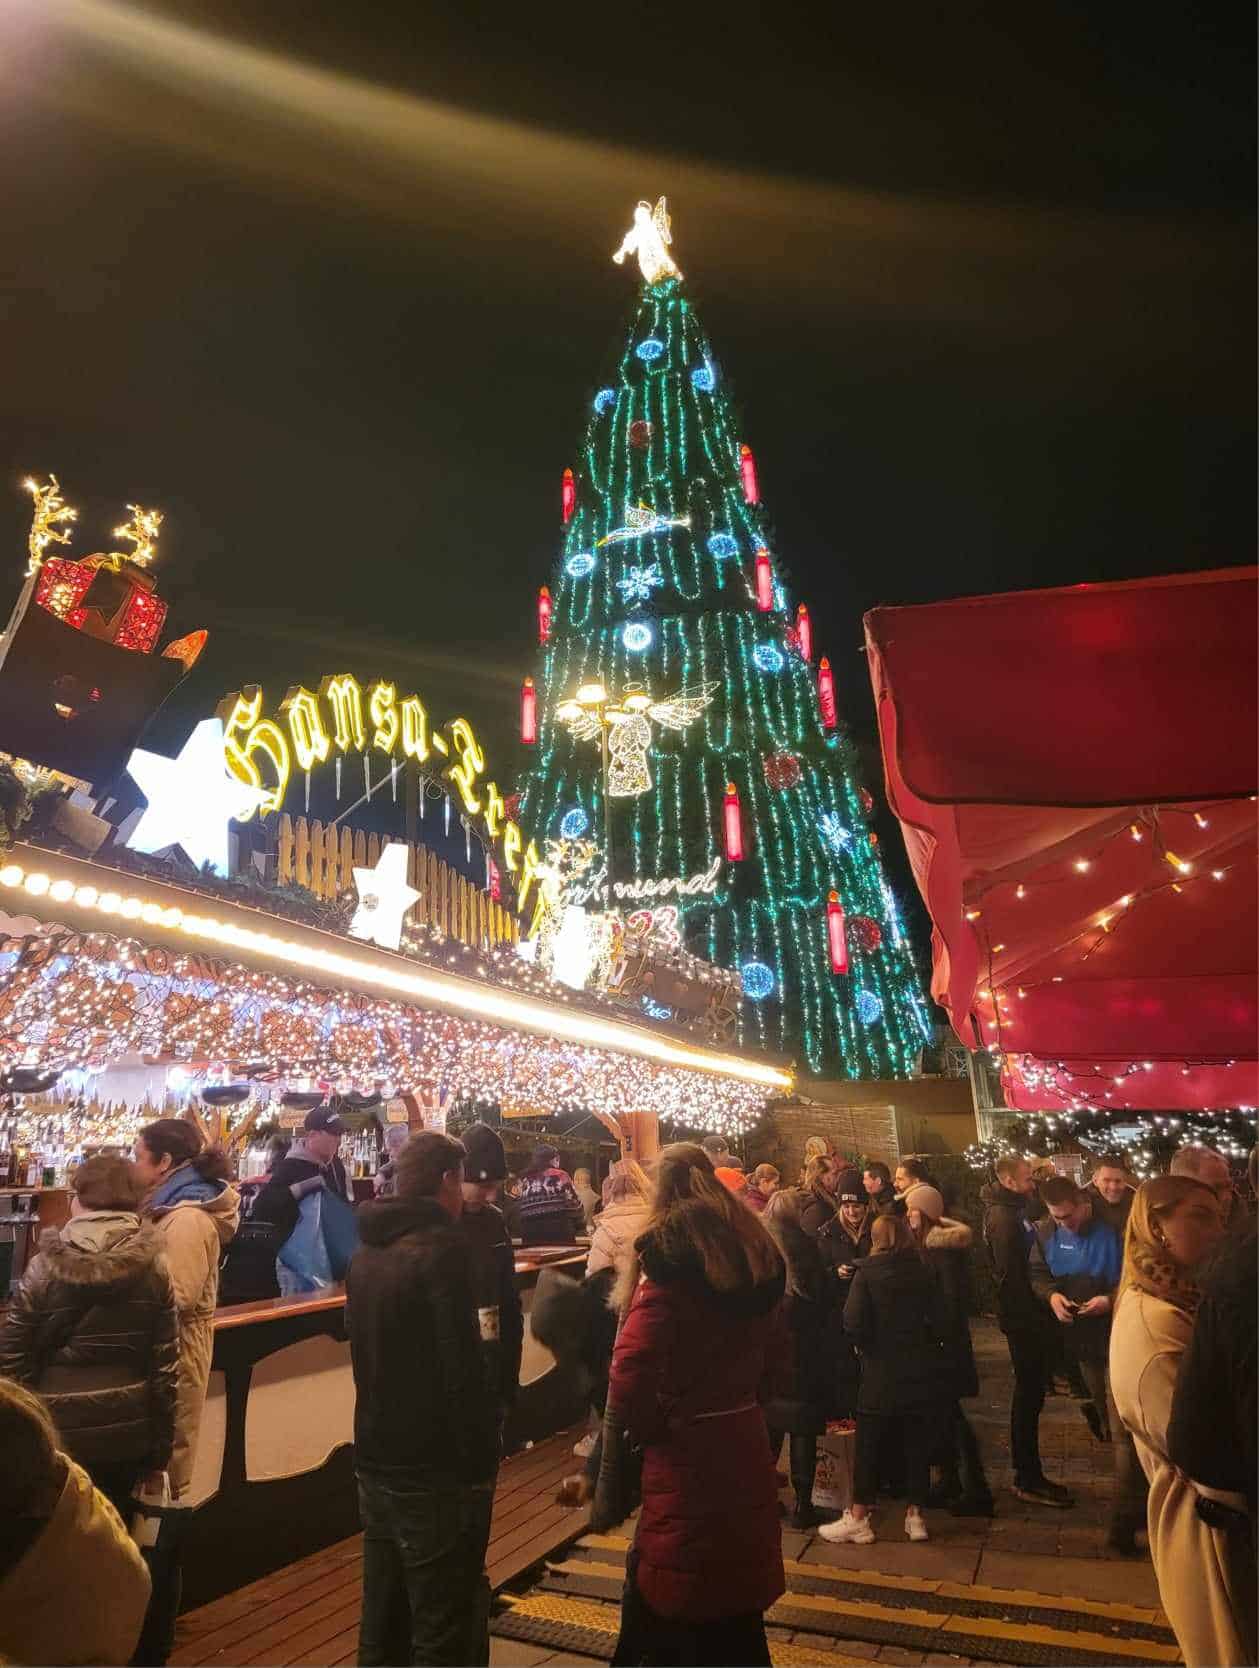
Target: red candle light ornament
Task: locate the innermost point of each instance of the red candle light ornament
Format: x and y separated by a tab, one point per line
528	713
826	694
544	615
764	582
747	472
836	936
733	824
804	632
568	496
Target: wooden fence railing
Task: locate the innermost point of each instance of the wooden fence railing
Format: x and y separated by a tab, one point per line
324	859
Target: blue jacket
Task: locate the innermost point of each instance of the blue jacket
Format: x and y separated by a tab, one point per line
1082	1265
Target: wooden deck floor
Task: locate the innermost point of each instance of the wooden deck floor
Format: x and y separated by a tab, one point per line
308	1612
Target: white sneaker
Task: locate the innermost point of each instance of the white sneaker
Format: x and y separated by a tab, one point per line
585	1447
915	1528
856	1531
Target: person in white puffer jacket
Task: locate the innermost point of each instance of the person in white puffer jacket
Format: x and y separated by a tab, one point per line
623	1217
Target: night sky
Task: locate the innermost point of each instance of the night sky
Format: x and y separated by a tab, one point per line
331	285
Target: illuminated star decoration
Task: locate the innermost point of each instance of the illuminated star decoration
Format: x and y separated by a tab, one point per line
641	520
191	799
383	899
639	583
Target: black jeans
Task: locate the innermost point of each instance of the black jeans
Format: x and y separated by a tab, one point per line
1029	1356
425	1595
650	1641
915	1431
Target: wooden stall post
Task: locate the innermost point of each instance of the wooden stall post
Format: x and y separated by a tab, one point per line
638	1133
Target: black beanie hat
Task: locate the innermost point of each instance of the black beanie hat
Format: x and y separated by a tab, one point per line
485	1161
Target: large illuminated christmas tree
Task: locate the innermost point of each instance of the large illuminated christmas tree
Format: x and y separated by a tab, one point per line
732	793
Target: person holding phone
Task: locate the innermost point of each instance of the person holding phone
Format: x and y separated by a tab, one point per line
1075	1267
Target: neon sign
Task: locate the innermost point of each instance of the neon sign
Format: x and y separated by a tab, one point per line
342	717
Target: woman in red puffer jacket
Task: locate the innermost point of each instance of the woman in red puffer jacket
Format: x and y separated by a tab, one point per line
698	1354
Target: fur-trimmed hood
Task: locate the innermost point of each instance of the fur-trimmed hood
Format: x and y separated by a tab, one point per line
949	1235
101	1249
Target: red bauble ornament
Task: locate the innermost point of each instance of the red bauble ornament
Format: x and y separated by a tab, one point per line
782	771
867	800
511	807
792	639
640	434
874	839
864	934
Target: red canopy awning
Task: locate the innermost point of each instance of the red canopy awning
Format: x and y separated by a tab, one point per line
1075	774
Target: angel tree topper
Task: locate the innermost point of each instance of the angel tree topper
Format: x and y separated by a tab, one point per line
647	238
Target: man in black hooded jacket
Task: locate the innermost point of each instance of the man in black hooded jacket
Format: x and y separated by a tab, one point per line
1021	1316
425	1428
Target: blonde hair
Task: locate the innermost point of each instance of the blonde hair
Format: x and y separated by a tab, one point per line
765	1173
819	1165
628	1180
694	1218
890	1233
1147	1263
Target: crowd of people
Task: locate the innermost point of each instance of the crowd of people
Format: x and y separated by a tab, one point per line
723	1315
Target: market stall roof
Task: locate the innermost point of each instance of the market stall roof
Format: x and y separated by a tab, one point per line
98	960
1075	774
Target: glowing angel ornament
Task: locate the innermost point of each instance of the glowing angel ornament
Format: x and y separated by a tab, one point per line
629	731
647	238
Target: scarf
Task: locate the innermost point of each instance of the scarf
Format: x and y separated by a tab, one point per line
1148	1269
180	1186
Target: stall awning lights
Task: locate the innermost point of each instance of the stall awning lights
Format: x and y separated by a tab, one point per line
316	954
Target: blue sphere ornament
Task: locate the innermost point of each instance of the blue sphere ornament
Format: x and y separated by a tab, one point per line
574	823
636	636
869	1007
768	657
703	380
758	980
605	399
579	564
650	350
722	546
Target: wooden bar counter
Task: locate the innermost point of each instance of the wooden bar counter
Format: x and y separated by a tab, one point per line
274	1477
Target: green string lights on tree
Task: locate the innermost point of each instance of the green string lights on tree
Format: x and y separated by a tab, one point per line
668	585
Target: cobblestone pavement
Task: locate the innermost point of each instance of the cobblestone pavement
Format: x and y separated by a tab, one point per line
1031	1585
